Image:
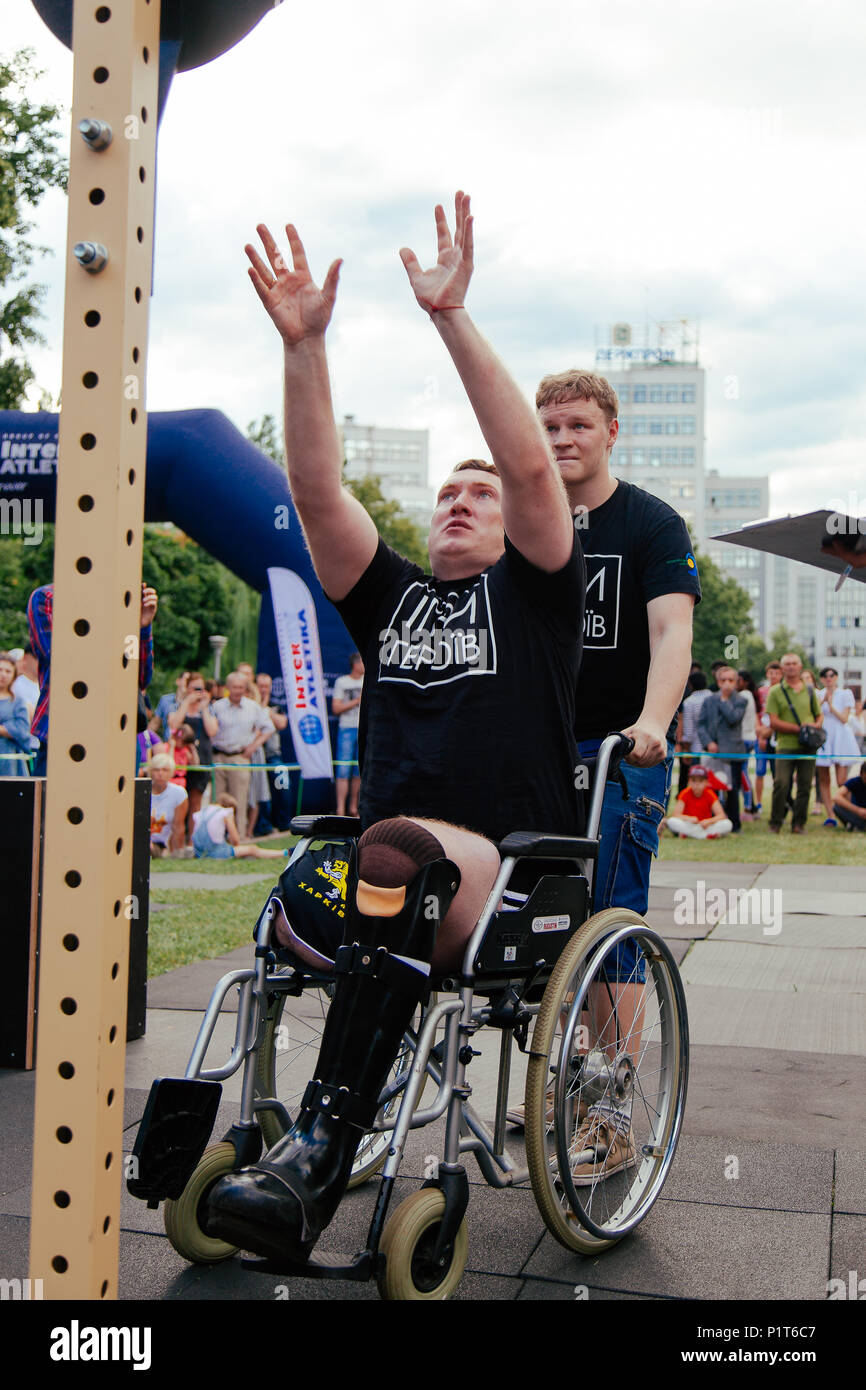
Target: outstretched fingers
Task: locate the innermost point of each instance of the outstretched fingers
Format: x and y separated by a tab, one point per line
329	288
296	246
410	261
443	235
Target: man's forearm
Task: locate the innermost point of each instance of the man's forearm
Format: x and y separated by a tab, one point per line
312	444
666	679
507	421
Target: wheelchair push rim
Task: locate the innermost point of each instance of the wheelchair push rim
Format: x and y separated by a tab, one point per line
596	1060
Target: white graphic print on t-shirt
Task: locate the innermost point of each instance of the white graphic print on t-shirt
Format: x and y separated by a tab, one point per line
434	639
601	619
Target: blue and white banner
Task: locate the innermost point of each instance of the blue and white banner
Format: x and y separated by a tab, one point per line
301	660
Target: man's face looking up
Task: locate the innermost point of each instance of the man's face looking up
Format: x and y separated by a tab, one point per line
580	437
466	533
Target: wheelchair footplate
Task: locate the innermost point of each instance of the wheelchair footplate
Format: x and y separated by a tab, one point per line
174	1131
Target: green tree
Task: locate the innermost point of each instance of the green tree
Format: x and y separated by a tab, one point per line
393	525
755	653
266	434
722	620
29	164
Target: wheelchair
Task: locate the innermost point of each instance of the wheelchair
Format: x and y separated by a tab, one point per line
607	1064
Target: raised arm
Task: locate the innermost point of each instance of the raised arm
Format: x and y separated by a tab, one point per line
534	505
341	536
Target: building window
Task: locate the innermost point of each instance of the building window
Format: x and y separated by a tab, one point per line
688	396
639	394
655	424
671	458
625	426
656	394
687	424
672	425
672	395
638	458
687	457
622	457
655	458
624	393
638	424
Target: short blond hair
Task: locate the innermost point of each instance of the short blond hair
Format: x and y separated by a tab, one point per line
480	464
575	385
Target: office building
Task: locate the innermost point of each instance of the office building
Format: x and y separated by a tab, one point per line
398	458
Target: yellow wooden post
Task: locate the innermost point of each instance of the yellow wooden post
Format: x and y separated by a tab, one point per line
81	1042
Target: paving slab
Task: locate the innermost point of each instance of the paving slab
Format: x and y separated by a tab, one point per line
792	1097
846	878
698	1250
829	903
850	1185
674	871
745	965
743	1173
828	1022
220	883
798	929
191	986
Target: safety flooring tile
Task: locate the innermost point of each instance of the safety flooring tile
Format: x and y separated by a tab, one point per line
802	930
746	965
820	1021
737	1173
701	1250
848	1259
776	1097
17	1090
850	1184
14	1247
166	1047
220	883
551	1291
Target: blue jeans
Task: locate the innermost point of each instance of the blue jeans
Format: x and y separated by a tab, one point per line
629	839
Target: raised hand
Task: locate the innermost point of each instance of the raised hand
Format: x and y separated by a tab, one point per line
444	286
298	308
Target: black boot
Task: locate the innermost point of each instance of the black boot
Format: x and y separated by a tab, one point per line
280	1206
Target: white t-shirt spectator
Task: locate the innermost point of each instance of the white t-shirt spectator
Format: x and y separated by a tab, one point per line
214	820
162	809
749	726
349	688
26	690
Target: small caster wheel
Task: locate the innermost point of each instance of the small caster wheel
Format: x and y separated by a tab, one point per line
407	1244
183	1216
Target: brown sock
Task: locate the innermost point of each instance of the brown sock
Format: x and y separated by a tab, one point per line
391	853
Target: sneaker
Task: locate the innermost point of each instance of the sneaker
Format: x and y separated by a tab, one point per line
516	1116
600	1148
831	821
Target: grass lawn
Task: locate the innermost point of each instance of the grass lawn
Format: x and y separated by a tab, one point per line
756	845
197	924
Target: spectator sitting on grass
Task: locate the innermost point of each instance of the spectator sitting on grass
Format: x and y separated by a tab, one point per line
168	804
15	741
215	834
698	811
850	802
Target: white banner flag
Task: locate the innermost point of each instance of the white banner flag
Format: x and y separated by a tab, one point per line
301	660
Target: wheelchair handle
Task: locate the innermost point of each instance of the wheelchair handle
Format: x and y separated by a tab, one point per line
611	753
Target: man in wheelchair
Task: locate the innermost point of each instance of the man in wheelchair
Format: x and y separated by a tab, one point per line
466	726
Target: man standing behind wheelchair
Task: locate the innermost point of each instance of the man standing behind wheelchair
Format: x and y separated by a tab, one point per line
467	718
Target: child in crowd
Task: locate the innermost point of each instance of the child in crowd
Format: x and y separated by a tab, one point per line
698	811
182	748
215	834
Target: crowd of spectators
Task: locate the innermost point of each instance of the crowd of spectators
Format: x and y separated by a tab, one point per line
729	718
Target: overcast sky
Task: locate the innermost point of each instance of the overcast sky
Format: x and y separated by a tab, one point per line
630	160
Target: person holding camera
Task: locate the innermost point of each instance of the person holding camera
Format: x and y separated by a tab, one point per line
796	719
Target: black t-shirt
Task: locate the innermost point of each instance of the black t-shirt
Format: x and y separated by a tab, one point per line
636	548
468	706
857	791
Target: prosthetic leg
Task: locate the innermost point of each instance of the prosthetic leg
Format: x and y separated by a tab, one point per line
280	1206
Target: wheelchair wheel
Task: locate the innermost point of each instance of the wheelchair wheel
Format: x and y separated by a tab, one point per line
183	1217
616	1052
287	1059
407	1244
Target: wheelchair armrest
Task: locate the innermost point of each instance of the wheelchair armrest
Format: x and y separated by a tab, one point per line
535	844
346	827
